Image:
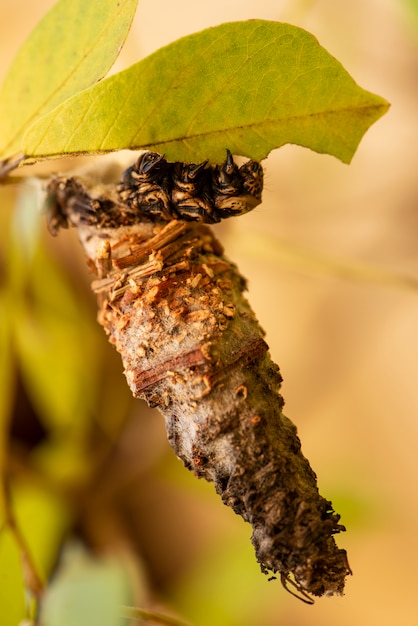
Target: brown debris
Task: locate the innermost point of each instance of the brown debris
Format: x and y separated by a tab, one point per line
173	306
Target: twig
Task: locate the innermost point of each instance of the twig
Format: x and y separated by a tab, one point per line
173	306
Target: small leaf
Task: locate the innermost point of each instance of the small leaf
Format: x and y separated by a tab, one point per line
43	518
12	592
29	544
247	86
86	591
72	47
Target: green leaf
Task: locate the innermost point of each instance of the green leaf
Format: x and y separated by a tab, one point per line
43	518
6	386
87	591
247	86
12	591
72	47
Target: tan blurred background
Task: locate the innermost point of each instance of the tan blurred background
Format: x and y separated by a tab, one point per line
328	256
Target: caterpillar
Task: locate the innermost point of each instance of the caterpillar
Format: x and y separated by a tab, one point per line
174	308
161	190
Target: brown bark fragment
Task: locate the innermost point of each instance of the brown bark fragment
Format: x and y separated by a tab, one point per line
173	306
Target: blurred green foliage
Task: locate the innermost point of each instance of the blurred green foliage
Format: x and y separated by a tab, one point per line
53	338
413	6
87	590
12	590
52	373
48	341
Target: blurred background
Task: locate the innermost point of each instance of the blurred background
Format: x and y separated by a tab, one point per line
331	258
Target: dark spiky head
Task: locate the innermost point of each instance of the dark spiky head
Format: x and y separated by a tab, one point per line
226	178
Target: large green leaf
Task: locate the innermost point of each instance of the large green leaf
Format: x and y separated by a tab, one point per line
72	47
247	86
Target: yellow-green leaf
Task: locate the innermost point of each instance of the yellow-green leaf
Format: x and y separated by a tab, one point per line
29	547
43	517
7	375
12	591
72	47
247	86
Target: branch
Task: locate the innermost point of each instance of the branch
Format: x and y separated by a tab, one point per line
173	307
